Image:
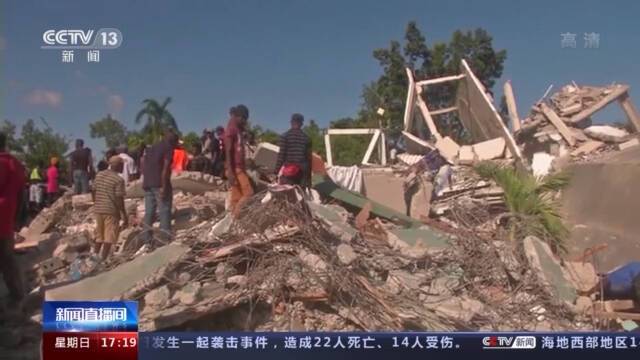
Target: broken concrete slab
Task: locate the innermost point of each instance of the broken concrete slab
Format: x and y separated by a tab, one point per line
47	218
607	133
582	274
432	240
421	200
466	156
189	294
448	148
82	201
629	144
458	308
548	269
337	224
490	149
266	156
385	188
587	148
112	284
327	187
478	113
158	298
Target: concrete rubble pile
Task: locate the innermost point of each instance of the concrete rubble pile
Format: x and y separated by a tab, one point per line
562	128
289	263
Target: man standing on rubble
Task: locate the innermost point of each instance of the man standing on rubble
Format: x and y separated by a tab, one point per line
156	182
81	167
108	194
294	159
12	182
235	165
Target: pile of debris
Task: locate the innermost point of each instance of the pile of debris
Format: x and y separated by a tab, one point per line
294	264
562	126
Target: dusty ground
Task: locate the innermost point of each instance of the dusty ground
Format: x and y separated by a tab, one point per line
602	205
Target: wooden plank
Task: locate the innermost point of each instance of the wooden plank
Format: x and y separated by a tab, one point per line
327	147
440	80
511	106
558	123
630	110
614	95
444	110
410	104
426	114
351	131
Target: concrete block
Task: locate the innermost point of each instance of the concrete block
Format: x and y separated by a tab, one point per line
629	144
448	148
588	147
606	133
266	156
421	201
385	188
548	269
82	201
466	155
490	149
112	284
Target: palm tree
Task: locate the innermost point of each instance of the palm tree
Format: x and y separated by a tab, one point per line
158	119
531	202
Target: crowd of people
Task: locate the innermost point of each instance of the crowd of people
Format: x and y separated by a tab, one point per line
223	152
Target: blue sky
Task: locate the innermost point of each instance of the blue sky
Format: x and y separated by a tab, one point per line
284	56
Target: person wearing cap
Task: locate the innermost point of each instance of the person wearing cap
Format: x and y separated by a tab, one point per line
294	159
235	166
52	180
108	208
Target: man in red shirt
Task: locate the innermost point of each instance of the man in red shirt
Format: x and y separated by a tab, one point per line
12	182
239	183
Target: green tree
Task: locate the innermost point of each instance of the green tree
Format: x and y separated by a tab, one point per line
316	134
112	130
264	135
13	143
157	119
441	59
348	150
190	140
39	145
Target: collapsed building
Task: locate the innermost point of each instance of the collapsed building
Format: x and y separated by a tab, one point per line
418	244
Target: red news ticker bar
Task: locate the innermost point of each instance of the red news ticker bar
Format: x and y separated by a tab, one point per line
90	345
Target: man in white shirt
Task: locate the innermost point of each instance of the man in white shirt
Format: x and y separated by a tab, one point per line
129	167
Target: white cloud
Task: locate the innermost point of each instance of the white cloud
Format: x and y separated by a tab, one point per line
115	103
42	97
